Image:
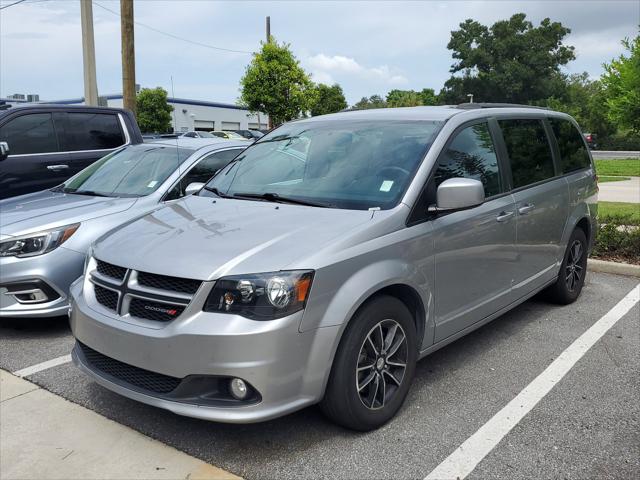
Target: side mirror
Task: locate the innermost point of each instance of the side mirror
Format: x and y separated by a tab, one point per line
459	193
4	150
192	188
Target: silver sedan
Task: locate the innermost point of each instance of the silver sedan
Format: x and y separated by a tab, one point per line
44	236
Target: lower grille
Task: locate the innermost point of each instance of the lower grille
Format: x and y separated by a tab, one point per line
160	312
105	297
138	377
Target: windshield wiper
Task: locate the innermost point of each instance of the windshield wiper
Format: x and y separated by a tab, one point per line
275	197
216	192
83	192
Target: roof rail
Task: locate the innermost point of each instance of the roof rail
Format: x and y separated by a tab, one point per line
471	106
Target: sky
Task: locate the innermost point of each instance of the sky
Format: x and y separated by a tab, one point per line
367	47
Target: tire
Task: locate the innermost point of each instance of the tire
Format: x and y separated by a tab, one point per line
572	273
362	347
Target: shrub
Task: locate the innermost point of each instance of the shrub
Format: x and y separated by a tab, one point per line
620	141
618	239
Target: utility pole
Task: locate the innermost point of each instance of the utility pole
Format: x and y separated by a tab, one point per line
268	29
88	53
128	56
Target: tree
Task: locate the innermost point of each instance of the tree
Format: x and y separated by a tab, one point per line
275	83
374	101
429	97
511	61
328	100
621	82
403	98
584	100
153	110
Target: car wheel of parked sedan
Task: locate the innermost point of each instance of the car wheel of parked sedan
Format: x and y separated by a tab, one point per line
373	367
572	271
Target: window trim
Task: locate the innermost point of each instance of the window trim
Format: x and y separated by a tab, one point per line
193	164
64	152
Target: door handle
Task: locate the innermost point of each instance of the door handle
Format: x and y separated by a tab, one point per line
55	168
503	216
526	208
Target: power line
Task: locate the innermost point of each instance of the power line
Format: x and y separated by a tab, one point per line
12	4
175	36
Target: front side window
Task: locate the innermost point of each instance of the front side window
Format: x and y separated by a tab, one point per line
573	151
32	133
471	154
134	171
203	171
92	131
528	150
354	164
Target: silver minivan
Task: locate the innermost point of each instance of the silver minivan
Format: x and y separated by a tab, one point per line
333	254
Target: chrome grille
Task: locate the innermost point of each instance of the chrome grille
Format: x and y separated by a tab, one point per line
143	295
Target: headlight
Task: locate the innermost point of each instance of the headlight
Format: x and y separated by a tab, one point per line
261	296
37	243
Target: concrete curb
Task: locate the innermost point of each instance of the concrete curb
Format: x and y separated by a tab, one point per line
47	437
603	266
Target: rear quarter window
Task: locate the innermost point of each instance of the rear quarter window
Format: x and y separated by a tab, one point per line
573	151
528	149
92	131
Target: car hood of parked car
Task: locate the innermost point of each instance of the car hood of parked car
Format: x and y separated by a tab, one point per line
44	210
205	238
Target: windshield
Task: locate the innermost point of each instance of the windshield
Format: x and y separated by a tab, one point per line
135	171
341	164
205	135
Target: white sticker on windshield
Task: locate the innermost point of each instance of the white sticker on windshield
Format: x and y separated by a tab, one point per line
386	185
152	183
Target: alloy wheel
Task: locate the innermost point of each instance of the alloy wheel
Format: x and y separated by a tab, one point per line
574	269
382	362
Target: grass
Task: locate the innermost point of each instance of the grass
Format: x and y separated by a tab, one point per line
611	179
619	209
624	167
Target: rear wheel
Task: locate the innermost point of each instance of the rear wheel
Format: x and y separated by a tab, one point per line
572	271
373	367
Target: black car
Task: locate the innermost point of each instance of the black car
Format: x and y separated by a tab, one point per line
43	145
250	134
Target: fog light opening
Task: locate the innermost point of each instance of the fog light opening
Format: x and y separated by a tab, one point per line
239	389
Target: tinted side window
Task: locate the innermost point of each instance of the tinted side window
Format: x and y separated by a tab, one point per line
528	150
471	154
32	133
573	153
92	131
203	171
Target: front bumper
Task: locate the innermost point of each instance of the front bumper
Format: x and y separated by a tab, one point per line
57	269
287	368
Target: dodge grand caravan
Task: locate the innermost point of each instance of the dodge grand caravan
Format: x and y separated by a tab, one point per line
331	255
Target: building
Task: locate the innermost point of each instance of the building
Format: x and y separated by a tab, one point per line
196	114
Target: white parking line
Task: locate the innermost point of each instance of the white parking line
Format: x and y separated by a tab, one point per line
467	456
42	366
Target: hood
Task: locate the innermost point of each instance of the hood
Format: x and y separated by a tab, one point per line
204	239
46	209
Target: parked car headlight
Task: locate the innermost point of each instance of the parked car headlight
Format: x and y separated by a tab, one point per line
261	296
37	243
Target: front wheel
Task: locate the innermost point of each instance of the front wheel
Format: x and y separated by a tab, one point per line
373	367
572	271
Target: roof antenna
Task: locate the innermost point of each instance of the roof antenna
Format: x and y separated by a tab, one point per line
175	126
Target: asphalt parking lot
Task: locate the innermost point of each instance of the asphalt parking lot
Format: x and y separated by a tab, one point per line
587	426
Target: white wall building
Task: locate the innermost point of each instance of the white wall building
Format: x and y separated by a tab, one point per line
194	114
